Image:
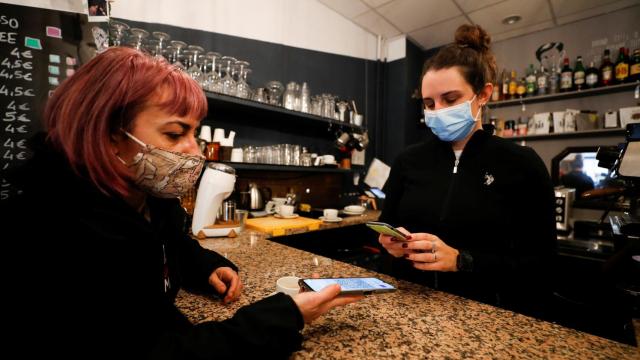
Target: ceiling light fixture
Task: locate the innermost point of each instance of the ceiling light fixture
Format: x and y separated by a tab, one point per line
511	19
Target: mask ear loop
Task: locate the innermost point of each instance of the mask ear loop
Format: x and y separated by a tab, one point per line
135	139
480	106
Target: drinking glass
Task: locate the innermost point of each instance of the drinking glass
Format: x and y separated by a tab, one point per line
218	82
305	98
316	105
297	98
342	108
228	84
137	38
275	89
260	95
212	73
194	65
118	31
162	44
295	155
177	57
289	96
242	89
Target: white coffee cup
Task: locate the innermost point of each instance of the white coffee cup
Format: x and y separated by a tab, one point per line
218	135
205	133
274	204
329	159
288	285
330	214
284	210
357	120
236	155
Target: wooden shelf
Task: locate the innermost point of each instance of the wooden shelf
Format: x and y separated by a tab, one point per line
262	114
565	95
269	167
576	134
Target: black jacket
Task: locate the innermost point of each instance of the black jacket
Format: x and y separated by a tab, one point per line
88	277
498	208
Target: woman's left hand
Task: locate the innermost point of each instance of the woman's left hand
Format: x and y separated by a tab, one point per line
429	252
225	279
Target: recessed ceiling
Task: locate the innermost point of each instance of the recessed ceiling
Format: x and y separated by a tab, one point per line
431	23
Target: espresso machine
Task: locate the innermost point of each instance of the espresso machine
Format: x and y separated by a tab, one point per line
216	185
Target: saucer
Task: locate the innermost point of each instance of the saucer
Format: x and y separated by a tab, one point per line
338	219
352	213
292	216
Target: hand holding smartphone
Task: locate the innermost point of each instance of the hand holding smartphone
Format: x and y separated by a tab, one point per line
386	229
349	286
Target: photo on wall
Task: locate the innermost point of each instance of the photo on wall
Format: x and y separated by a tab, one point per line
97	10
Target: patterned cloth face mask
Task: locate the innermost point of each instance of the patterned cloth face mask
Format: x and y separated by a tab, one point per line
163	173
453	123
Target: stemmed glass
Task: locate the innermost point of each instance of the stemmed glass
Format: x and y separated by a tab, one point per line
163	39
177	49
118	32
228	84
212	76
194	67
218	82
152	48
138	36
242	90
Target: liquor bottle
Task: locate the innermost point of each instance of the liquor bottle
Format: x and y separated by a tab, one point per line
578	75
553	79
606	69
521	89
530	81
513	85
504	95
495	93
622	67
566	77
542	81
591	79
634	68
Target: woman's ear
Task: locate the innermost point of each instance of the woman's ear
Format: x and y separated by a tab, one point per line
485	94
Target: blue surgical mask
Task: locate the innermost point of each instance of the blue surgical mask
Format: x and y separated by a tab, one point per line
453	123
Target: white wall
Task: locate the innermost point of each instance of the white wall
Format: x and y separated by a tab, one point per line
306	24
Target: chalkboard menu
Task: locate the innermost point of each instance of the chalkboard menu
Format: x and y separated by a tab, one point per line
39	49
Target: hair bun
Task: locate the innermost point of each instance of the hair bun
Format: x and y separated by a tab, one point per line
472	36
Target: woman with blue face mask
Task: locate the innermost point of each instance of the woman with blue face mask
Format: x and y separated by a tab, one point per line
478	209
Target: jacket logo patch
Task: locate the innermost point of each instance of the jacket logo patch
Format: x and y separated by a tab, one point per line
488	179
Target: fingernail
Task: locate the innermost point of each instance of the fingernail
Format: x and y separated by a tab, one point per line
404	245
406	256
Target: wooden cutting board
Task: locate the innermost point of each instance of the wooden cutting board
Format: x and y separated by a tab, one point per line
278	227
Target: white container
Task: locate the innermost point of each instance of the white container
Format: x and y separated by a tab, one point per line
236	155
205	133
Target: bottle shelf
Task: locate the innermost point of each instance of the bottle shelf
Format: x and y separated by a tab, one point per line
575	134
565	95
283	168
272	115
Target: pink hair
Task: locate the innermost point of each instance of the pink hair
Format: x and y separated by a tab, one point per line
104	96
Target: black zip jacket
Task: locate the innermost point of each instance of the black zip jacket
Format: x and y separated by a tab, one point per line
496	206
88	279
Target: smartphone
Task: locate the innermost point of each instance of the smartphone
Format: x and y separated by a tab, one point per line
386	229
350	286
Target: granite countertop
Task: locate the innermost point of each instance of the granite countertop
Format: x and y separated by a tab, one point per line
414	322
350	220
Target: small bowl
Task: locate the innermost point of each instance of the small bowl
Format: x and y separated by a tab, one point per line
354	209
